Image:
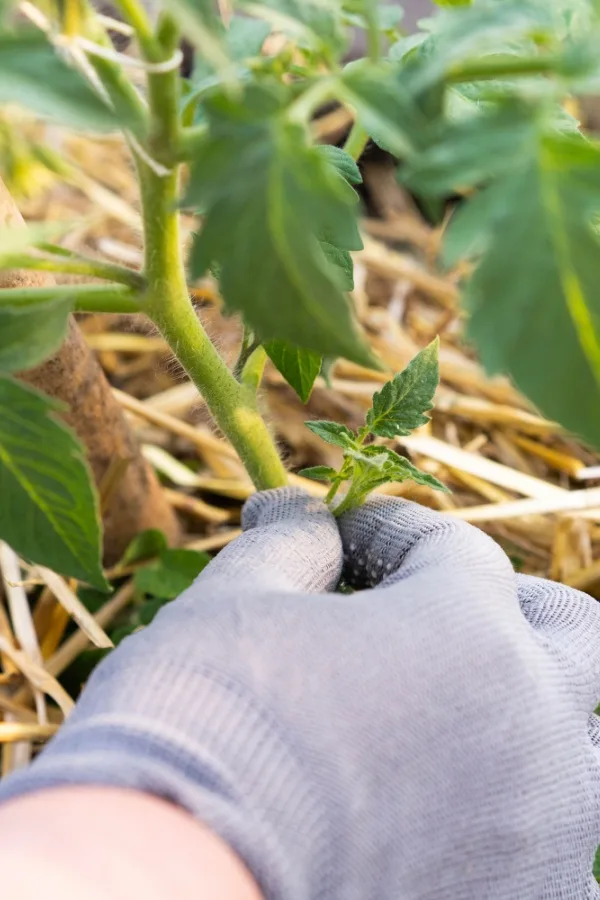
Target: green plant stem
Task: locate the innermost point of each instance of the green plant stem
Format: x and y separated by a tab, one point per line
71	17
373	35
75	266
506	67
302	109
167	301
249	344
123	95
135	15
252	372
232	404
346	503
332	491
86	297
356	141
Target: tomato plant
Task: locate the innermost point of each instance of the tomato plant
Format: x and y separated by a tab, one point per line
472	105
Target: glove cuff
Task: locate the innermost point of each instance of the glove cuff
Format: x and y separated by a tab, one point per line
203	743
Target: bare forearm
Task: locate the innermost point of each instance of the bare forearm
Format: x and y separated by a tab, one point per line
96	842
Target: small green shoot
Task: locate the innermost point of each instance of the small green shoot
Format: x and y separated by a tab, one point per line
398	408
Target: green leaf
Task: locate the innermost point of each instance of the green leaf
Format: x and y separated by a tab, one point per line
480	32
383	105
470	152
597	865
319	473
333	433
400	406
536	314
49	510
313	24
171	574
145	545
245	37
269	200
242	41
388	16
374	466
299	367
401	469
453	2
29	334
341	161
148	610
204	30
370	468
344	267
470	227
15	240
34	75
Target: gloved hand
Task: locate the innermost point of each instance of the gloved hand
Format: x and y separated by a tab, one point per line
431	738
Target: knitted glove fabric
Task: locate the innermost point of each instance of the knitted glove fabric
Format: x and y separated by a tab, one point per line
430	738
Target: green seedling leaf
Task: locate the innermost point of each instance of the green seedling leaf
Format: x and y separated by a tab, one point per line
269	200
342	162
400	406
597	865
145	545
34	75
400	468
333	433
319	473
299	367
29	334
171	574
49	510
397	409
374	466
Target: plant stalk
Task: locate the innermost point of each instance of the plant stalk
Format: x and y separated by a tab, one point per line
86	297
169	306
74	266
504	67
356	141
167	301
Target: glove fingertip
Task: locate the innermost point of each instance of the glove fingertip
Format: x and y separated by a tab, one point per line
282	504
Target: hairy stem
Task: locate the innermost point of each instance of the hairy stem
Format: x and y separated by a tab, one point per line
168	303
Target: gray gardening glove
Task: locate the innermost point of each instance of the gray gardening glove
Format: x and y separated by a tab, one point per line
429	739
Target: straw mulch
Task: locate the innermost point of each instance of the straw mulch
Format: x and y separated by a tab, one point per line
511	472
